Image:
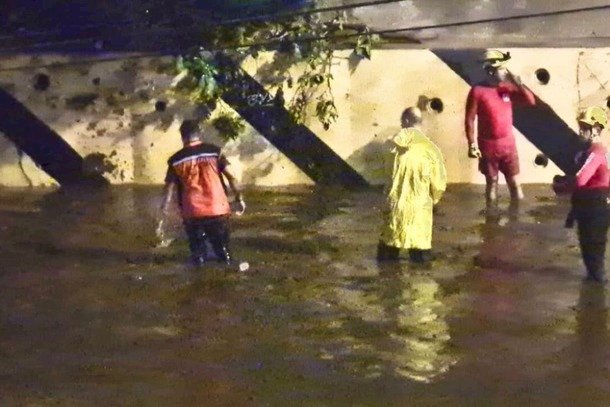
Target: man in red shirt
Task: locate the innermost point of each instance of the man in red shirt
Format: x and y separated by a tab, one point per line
492	104
590	189
196	173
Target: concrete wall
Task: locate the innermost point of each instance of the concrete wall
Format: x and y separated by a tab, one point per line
109	108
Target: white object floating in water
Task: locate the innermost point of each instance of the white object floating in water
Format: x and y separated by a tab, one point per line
164	243
244	266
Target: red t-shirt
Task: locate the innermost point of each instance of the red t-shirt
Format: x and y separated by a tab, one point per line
197	172
493	107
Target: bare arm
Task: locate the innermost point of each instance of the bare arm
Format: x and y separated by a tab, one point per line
168	194
236	190
233	184
471	113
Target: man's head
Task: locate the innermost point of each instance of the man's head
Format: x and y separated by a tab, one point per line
411	117
189	131
591	122
494	64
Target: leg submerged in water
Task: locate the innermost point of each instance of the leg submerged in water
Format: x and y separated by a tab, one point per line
514	187
491	191
385	252
218	232
195	230
592	231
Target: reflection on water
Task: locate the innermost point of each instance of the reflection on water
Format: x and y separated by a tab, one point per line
392	325
423	332
592	331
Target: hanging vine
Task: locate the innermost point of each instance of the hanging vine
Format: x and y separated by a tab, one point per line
304	41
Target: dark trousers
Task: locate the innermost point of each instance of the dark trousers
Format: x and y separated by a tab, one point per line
593	223
213	231
385	252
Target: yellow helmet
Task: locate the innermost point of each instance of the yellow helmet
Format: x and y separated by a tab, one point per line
495	58
594	115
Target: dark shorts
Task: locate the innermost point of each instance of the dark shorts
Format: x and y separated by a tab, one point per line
504	160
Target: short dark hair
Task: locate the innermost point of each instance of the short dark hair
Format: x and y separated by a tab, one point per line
189	129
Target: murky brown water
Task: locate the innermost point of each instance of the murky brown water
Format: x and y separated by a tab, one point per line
90	314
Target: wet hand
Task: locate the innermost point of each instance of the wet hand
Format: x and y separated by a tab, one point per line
473	151
159	231
562	184
162	240
240	207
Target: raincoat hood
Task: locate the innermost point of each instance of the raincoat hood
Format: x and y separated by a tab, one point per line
405	137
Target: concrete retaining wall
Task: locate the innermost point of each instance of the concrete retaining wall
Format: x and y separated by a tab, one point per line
109	107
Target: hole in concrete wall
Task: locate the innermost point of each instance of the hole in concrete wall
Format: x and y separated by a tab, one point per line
97	164
42	82
541	160
160	106
543	76
436	105
608	102
96	81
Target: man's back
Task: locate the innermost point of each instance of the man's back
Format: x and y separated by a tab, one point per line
197	170
419	167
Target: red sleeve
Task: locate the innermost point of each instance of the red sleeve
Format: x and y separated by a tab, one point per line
471	113
594	161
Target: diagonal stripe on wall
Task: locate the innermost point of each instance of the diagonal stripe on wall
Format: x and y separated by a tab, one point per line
540	124
302	146
41	143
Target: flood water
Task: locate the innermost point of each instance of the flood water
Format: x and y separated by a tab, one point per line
92	314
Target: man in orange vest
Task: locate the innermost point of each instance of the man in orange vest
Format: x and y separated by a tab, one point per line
196	173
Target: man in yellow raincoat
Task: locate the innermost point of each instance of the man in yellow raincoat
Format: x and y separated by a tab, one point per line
418	182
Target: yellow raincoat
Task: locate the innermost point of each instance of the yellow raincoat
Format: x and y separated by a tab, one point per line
418	182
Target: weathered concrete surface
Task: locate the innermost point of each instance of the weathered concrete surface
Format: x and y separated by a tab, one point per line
91	315
116	116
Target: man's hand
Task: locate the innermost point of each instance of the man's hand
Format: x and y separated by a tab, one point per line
563	185
514	78
162	240
473	151
159	231
240	205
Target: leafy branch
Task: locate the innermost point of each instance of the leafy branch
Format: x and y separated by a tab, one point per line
303	41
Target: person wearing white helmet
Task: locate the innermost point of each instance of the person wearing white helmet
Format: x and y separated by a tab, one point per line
590	191
491	103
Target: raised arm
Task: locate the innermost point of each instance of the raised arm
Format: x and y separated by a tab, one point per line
522	95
